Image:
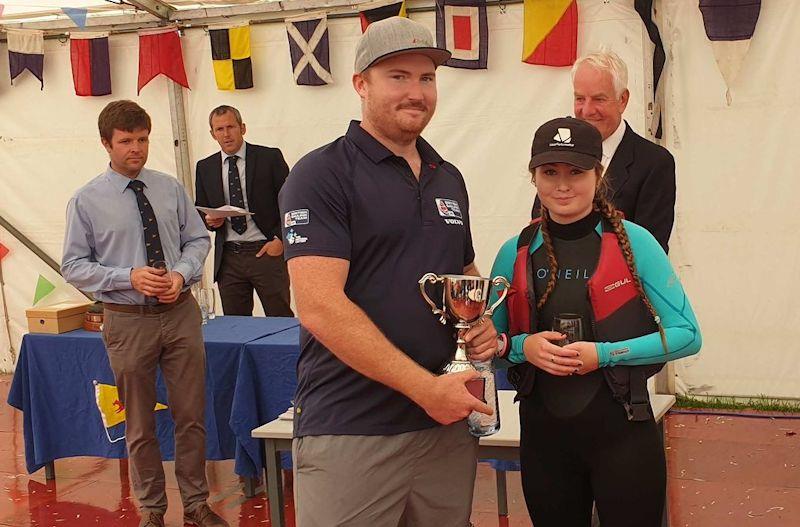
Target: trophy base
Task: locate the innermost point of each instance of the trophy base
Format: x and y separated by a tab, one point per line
456	366
479	431
481	425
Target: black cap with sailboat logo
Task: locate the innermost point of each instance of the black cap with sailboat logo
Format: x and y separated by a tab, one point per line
567	140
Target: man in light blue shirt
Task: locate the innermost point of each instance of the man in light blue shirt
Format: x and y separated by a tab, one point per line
135	241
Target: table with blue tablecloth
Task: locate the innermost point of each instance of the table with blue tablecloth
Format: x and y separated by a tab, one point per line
54	386
265	387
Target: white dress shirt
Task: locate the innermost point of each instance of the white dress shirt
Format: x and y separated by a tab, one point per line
611	144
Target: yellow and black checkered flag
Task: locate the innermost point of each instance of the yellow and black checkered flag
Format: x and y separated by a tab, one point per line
230	52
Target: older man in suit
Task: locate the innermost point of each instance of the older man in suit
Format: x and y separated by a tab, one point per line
640	174
248	250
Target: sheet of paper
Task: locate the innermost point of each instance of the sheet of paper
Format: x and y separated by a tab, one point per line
225	211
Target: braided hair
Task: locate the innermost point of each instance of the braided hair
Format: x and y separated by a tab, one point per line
614	217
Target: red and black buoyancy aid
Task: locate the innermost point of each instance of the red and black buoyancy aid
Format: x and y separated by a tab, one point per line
618	314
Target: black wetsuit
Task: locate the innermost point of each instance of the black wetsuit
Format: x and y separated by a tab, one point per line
577	445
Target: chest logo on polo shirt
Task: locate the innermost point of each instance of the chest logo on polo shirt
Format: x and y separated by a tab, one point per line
293	238
295	217
449	210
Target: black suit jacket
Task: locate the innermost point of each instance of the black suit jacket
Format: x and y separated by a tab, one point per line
641	181
265	172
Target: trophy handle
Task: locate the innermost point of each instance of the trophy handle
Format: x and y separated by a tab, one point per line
432	278
498	280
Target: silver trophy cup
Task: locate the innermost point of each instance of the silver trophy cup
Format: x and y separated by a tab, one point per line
464	302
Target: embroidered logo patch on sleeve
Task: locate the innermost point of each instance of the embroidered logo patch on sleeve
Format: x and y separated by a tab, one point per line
296	217
293	238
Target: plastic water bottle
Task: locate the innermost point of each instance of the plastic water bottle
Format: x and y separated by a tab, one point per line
481	424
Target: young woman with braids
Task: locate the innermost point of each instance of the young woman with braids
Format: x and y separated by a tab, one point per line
587	431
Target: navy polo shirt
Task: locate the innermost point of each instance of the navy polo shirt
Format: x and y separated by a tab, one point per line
354	199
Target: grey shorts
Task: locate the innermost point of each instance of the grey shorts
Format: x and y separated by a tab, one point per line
416	479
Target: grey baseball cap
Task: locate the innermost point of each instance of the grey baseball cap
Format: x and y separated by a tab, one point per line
395	36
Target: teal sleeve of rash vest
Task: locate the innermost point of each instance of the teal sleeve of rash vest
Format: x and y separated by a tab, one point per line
504	266
665	292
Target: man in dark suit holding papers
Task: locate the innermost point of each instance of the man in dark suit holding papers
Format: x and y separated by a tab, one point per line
248	250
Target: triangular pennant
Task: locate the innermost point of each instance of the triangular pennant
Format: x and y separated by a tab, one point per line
645	10
91	69
26	52
77	15
462	29
374	11
230	54
43	288
550	32
730	25
160	52
3	251
309	50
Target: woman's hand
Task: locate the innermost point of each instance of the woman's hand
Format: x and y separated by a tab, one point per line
542	353
587	352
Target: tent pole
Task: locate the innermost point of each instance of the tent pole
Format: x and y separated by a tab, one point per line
180	137
52	264
654	100
11	349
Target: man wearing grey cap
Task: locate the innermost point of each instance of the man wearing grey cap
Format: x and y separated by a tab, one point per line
380	438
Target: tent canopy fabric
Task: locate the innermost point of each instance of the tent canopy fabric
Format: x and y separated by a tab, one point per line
734	244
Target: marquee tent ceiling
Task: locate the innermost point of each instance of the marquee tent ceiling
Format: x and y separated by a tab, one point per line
38	11
120	16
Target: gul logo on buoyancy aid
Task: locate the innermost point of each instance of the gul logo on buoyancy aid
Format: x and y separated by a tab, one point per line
618	314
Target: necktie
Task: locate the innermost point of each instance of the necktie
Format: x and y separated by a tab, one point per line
152	240
236	197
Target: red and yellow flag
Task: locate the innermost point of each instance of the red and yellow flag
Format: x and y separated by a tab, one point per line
550	34
380	9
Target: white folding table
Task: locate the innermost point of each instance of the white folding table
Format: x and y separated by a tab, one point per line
276	437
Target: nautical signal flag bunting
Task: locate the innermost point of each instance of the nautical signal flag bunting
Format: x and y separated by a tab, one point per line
374	11
91	70
462	29
309	49
550	32
160	52
230	53
729	25
26	52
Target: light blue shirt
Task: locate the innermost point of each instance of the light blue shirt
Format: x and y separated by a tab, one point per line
104	240
253	233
